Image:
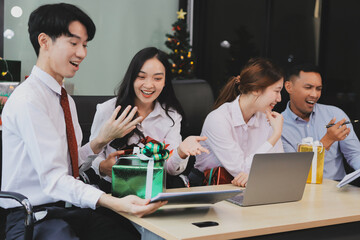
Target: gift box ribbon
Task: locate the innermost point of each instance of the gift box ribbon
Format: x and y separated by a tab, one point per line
151	152
155	150
315	145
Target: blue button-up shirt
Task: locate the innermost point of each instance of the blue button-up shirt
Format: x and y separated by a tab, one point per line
295	129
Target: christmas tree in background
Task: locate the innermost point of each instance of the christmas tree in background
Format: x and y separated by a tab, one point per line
181	56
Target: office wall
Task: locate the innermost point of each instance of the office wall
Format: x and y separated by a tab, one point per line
277	29
123	28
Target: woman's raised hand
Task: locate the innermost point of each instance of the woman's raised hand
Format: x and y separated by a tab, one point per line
118	128
191	146
115	128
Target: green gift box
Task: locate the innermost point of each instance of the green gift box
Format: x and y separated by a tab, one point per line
129	177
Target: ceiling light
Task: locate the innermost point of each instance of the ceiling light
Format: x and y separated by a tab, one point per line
16	11
9	34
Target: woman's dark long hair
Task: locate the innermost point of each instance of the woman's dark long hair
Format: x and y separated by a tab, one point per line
126	94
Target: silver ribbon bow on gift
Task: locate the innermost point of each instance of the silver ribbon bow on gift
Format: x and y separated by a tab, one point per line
315	145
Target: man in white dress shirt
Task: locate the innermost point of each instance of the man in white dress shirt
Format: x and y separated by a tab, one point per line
36	159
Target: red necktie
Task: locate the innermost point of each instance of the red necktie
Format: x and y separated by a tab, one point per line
70	133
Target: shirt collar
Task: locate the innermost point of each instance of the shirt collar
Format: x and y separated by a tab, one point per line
238	118
254	120
48	80
295	117
158	110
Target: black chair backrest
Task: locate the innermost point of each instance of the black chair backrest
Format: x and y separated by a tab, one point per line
86	108
196	98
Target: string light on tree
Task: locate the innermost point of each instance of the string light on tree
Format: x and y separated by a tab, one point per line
5	69
178	42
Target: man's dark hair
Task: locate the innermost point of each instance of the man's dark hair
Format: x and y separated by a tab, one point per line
54	20
295	70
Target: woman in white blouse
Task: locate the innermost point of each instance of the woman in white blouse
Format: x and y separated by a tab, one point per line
243	122
147	86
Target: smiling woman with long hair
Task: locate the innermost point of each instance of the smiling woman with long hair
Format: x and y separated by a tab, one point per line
147	86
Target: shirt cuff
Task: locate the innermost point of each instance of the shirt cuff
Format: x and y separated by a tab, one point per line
96	165
91	197
175	164
85	151
265	148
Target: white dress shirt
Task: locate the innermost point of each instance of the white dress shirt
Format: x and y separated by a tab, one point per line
156	125
36	160
232	142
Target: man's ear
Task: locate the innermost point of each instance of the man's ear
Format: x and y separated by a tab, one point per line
289	86
44	41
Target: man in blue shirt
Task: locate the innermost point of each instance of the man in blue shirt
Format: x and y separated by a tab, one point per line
304	117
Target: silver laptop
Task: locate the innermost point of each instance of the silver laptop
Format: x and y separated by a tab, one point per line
275	178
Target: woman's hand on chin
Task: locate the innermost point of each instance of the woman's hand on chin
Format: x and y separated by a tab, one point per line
276	121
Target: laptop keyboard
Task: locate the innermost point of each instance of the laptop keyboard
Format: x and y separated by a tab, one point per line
238	199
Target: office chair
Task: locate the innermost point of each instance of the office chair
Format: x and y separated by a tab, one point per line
86	108
29	219
197	99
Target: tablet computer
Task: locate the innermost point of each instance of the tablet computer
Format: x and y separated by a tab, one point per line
196	197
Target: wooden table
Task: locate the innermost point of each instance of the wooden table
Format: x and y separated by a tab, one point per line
322	205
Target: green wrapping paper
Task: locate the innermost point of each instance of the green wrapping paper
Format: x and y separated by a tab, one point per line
129	177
